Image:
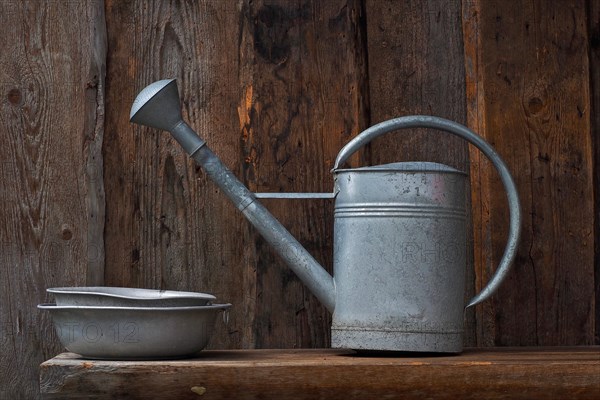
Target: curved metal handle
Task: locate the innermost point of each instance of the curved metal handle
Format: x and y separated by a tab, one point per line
424	121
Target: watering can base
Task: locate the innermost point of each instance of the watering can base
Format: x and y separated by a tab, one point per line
389	340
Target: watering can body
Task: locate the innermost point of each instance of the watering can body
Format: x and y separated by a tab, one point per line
399	257
400	240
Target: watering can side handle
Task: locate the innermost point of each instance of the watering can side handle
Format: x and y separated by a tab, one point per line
424	121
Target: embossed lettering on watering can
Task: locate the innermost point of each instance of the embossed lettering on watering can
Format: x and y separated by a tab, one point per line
399	234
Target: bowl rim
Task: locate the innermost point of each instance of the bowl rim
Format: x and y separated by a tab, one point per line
159	294
53	306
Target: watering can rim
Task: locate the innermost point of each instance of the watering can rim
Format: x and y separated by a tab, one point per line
405	167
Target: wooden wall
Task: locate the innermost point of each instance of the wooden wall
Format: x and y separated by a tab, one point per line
276	88
529	92
52	69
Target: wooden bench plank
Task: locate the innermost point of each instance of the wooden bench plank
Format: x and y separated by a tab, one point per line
497	373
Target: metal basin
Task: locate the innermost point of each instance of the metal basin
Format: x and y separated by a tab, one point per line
106	296
121	333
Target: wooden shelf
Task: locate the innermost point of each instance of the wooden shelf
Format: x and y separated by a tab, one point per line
498	373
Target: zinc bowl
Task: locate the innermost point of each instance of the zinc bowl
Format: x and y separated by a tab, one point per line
122	333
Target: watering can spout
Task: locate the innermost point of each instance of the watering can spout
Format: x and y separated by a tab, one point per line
158	106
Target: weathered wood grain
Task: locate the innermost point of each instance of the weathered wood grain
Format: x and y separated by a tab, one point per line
480	193
562	373
593	20
275	89
51	189
167	226
416	66
305	85
530	94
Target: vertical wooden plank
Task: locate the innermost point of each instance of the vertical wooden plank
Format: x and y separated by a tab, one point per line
167	226
268	88
51	194
479	165
416	66
304	101
533	70
593	16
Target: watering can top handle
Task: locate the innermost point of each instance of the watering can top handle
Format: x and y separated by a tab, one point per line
423	121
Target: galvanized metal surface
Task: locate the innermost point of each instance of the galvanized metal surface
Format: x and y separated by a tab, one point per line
399	240
423	121
127	297
399	258
121	333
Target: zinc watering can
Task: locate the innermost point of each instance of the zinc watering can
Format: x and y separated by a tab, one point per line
400	240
